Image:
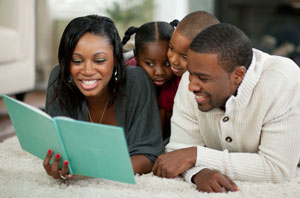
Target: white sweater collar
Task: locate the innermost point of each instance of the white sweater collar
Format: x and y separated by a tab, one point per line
249	82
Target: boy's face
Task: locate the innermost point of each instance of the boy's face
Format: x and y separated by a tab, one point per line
152	56
177	53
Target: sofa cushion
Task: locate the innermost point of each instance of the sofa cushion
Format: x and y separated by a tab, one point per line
9	48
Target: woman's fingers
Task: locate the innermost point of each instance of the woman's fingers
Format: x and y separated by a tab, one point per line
65	170
55	166
53	169
46	162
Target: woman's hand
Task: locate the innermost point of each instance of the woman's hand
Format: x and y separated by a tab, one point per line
53	169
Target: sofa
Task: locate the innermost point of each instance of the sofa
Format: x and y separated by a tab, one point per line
17	46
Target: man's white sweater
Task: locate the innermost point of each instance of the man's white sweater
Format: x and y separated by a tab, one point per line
257	138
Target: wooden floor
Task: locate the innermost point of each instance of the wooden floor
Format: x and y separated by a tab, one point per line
34	98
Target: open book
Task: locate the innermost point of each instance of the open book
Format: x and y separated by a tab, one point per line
94	150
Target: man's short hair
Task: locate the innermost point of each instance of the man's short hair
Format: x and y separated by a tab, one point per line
231	45
193	23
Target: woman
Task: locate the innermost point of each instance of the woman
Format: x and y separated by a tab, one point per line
91	84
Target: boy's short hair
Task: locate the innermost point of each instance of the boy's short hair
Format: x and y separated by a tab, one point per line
192	24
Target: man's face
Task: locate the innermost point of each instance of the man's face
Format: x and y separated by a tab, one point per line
177	53
210	83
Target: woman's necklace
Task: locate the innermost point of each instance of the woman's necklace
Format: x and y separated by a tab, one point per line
102	112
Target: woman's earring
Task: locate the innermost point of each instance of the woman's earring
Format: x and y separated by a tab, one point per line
116	75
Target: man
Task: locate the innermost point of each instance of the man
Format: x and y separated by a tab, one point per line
236	115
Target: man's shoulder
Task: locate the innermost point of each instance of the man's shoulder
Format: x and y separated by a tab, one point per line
276	63
184	83
284	69
185	78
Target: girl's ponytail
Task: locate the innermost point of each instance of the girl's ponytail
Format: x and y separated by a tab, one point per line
174	23
130	31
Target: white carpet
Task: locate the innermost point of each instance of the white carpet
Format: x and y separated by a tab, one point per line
22	175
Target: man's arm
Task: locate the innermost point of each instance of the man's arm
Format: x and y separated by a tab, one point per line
278	151
185	135
278	148
213	181
182	149
275	161
173	163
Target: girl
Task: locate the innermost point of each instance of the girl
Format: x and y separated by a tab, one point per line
91	84
151	47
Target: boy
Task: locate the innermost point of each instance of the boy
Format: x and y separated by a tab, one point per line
186	31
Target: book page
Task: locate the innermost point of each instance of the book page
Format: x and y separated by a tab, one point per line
96	150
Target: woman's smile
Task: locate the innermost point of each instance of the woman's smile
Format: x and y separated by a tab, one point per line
89	84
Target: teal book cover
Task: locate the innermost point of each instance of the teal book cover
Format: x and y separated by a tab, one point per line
94	150
35	129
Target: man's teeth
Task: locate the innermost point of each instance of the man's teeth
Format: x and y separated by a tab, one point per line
200	96
89	82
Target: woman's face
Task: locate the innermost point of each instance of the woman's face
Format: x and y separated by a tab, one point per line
152	56
92	64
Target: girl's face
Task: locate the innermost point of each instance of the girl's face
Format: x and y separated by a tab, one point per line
152	56
92	65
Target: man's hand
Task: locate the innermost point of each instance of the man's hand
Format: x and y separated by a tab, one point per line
213	181
172	164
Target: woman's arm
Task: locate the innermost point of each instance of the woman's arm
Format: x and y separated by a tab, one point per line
141	164
142	118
